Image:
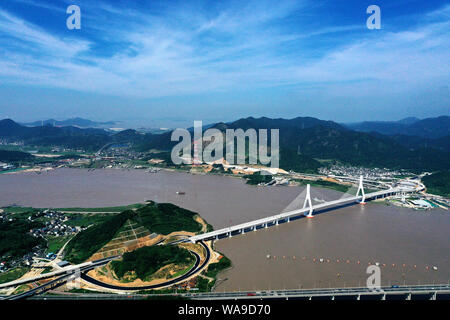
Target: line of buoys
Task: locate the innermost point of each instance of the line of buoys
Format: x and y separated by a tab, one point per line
348	261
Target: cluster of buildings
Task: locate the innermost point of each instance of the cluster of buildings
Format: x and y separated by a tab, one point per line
191	284
37	252
54	225
62	149
119	158
368	173
122	152
4	142
6	166
27	260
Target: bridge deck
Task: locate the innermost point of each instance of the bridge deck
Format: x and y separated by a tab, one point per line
289	214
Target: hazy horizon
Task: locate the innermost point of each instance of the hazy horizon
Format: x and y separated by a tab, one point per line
180	123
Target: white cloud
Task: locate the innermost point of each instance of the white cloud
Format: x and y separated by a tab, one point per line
194	52
38	40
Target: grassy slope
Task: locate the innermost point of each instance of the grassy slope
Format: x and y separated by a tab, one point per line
164	218
12	274
147	260
438	183
89	241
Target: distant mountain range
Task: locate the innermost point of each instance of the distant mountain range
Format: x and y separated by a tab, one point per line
327	140
76	122
430	128
70	136
304	141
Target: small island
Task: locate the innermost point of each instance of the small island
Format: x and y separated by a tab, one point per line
147	242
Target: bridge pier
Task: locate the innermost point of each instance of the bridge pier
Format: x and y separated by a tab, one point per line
361	188
243	231
308	200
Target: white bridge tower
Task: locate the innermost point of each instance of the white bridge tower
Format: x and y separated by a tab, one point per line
361	188
308	200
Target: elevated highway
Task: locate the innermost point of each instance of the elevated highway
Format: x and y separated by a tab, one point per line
429	292
69	270
416	292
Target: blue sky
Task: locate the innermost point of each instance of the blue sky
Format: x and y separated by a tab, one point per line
166	63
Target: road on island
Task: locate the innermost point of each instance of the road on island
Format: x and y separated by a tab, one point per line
196	268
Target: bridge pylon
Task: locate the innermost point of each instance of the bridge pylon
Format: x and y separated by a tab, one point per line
361	188
308	200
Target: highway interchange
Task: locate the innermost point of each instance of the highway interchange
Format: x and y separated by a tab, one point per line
72	272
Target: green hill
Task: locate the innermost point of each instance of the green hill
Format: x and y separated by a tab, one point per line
7	156
15	241
304	139
438	183
147	260
162	218
89	241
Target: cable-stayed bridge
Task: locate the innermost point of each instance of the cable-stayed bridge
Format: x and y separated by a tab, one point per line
307	210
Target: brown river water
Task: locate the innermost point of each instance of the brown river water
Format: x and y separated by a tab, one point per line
405	243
